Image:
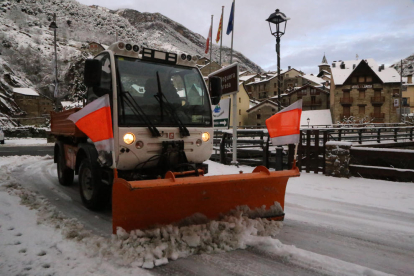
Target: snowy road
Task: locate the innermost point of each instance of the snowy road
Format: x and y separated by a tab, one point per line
336	227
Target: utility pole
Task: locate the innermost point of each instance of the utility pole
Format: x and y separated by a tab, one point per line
54	27
401	107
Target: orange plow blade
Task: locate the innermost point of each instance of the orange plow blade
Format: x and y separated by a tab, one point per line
148	203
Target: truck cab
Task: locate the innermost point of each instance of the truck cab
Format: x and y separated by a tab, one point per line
161	117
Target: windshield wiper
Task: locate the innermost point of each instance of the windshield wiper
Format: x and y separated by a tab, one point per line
138	111
160	97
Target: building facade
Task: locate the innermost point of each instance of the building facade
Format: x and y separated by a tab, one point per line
258	114
363	90
314	98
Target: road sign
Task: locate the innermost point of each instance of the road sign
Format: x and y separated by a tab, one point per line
221	113
229	76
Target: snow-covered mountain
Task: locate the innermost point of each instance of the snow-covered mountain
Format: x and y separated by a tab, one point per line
407	65
27	53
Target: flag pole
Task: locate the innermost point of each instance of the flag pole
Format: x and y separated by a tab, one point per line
211	40
232	32
221	31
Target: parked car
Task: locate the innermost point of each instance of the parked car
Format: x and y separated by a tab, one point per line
1	136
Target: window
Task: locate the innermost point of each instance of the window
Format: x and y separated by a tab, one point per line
287	75
258	124
239	123
275	93
362	94
274	85
396	92
239	100
354	79
377	111
347	111
362	109
369	79
273	110
361	79
258	116
239	111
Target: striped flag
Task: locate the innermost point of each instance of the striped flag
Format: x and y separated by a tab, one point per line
219	29
95	121
208	41
284	126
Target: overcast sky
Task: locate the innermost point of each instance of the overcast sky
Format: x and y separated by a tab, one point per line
379	29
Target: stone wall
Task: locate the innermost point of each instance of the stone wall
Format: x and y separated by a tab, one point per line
337	159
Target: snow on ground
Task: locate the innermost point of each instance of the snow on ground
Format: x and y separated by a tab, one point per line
25	141
36	239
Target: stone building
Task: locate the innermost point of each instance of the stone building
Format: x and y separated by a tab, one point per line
95	48
258	114
325	70
362	89
36	106
210	68
408	93
314	98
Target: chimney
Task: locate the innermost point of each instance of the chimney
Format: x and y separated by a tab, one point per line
410	78
382	67
343	65
379	68
333	64
353	66
289	67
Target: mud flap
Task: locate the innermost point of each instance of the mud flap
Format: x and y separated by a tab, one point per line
150	203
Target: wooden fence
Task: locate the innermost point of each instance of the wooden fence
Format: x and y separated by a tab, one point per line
254	146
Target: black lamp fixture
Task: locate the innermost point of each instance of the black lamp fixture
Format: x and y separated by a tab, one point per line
278	18
308	121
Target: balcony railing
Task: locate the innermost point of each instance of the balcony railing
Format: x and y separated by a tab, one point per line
378	115
346	101
312	103
377	100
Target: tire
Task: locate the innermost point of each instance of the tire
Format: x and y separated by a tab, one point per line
65	174
94	194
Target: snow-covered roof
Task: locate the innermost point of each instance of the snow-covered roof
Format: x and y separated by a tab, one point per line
313	78
25	91
246	78
316	117
387	75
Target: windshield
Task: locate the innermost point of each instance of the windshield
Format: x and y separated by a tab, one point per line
183	90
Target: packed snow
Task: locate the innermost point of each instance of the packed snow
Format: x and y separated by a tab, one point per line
37	239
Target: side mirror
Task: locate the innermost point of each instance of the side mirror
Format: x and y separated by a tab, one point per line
92	74
215	89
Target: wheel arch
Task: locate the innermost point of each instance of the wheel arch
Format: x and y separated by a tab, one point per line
85	151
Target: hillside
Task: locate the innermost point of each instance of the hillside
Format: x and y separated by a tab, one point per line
408	66
26	43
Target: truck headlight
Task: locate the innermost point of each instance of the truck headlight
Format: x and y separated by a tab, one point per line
129	138
205	136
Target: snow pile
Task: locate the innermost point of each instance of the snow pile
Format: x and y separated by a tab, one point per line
153	247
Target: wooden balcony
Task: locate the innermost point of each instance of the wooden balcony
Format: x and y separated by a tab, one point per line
378	118
377	100
346	101
312	103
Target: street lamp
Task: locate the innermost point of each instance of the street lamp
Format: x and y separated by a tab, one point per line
278	18
308	121
53	26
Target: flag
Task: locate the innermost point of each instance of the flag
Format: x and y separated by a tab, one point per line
95	121
208	41
231	19
219	29
284	126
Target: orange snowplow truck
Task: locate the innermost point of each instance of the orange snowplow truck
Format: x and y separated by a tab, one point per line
162	131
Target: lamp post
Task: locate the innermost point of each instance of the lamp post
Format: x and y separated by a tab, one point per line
277	18
308	121
53	26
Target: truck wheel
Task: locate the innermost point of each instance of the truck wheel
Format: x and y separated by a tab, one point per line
65	174
95	195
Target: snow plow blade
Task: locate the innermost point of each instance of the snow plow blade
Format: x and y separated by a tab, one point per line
150	203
